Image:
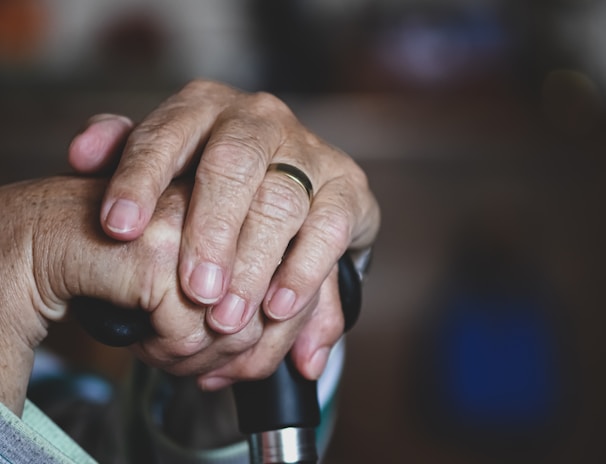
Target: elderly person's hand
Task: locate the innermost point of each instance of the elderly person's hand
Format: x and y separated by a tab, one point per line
252	236
53	250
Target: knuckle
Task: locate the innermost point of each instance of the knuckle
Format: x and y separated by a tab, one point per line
279	200
305	275
214	235
167	351
218	239
196	88
142	179
159	140
267	104
243	341
231	159
249	280
160	242
332	226
187	346
220	232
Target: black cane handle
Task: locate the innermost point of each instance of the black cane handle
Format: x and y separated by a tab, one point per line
286	398
109	324
283	400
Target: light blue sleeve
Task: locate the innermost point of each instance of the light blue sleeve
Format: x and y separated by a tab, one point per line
35	439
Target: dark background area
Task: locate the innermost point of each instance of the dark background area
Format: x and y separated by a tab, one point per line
481	128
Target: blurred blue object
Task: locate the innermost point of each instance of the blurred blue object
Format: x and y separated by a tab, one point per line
496	370
497	361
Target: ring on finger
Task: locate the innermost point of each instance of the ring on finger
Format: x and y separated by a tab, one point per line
295	174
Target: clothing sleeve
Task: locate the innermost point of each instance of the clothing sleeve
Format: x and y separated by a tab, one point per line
35	439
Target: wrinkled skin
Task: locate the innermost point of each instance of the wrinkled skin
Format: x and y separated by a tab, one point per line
237	258
53	249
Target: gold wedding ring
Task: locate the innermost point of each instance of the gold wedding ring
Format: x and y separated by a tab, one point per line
295	174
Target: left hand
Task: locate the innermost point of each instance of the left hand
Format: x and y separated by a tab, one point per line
53	250
237	250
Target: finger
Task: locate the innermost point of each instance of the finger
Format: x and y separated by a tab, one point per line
145	270
179	334
257	363
275	215
312	347
321	241
261	359
159	149
97	146
231	169
198	356
178	323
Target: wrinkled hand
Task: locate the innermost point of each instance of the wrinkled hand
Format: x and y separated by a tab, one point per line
53	250
237	252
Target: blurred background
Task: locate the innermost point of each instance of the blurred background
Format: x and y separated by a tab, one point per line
480	124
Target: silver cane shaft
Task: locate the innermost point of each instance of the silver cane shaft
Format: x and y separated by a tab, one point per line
289	445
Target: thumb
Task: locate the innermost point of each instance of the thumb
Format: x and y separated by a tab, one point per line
97	146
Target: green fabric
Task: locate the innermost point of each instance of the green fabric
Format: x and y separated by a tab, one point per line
35	439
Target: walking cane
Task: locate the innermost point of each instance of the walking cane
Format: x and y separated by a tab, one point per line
279	414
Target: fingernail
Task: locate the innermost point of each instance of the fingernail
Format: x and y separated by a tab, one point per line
281	304
123	216
206	282
214	383
317	363
229	312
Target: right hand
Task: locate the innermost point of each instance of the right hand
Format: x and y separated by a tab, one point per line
238	257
